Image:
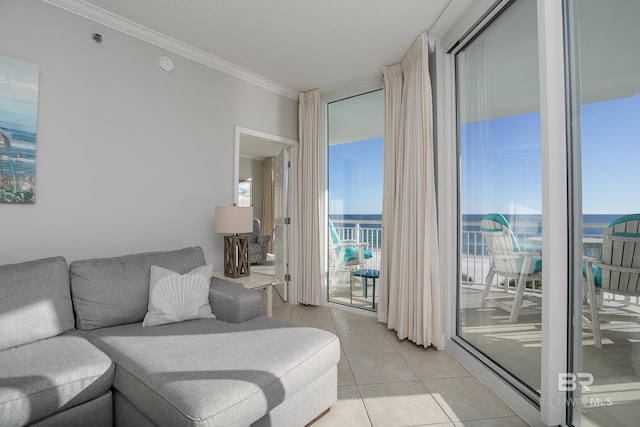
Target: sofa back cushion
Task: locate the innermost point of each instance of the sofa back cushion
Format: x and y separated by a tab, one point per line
35	302
115	291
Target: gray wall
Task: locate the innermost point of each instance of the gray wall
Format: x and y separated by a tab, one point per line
129	159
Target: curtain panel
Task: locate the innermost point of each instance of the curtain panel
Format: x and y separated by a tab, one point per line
309	230
410	286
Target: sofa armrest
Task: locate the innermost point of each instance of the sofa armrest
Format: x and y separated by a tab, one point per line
232	302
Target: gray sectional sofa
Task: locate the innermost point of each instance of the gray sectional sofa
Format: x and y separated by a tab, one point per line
73	351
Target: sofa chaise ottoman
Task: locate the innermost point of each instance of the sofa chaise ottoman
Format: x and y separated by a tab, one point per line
235	370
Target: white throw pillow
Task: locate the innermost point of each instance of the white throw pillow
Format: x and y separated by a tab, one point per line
174	297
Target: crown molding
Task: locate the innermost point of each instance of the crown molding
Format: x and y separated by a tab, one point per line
123	25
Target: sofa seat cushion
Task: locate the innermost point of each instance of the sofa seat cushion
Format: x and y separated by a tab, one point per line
44	377
208	372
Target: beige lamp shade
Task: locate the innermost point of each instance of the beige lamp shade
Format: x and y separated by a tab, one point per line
233	219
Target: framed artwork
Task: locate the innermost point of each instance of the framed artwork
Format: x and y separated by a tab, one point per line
18	127
244	193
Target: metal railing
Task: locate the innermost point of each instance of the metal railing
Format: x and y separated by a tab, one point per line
362	231
475	260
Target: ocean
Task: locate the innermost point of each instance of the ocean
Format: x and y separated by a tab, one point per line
525	226
522	225
19	159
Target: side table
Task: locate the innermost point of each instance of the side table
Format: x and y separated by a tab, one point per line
255	281
366	275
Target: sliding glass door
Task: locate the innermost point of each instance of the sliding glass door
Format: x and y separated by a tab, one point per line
576	357
605	82
500	204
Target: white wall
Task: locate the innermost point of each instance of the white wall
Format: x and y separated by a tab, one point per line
129	159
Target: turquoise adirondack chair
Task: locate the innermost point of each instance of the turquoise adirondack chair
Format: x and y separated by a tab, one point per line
345	255
618	269
510	262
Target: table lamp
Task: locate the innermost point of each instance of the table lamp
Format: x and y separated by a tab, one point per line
236	220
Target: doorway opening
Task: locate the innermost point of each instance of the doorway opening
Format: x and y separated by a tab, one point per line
355	133
263	178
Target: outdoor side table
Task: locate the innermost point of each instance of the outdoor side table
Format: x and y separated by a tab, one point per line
366	275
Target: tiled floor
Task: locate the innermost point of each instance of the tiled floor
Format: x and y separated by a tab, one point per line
383	381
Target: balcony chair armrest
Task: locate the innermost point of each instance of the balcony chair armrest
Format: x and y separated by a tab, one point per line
347	244
530	254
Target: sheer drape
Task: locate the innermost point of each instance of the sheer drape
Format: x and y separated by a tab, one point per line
267	200
410	285
473	108
309	231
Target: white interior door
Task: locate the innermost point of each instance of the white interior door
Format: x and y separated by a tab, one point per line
281	219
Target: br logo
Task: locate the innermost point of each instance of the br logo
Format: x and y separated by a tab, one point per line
570	382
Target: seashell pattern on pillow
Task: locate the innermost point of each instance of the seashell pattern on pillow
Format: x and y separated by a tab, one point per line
175	298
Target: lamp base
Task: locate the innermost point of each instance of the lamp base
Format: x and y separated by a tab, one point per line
236	256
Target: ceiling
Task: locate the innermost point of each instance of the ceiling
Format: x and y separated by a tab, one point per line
298	45
292	45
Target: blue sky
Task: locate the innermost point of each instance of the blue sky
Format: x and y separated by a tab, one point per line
611	156
501	165
355	177
504	174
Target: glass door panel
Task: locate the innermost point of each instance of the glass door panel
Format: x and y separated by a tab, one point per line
280	211
355	129
606	107
500	202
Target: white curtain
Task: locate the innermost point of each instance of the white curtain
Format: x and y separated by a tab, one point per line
410	286
267	200
308	215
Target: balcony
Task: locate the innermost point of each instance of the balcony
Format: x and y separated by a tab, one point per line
517	346
474	260
343	290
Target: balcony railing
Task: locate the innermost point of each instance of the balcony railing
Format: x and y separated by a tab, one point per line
474	260
362	231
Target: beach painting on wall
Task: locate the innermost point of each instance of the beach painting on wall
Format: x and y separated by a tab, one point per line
18	126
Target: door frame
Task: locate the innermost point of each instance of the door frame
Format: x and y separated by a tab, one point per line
549	410
292	196
359	86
